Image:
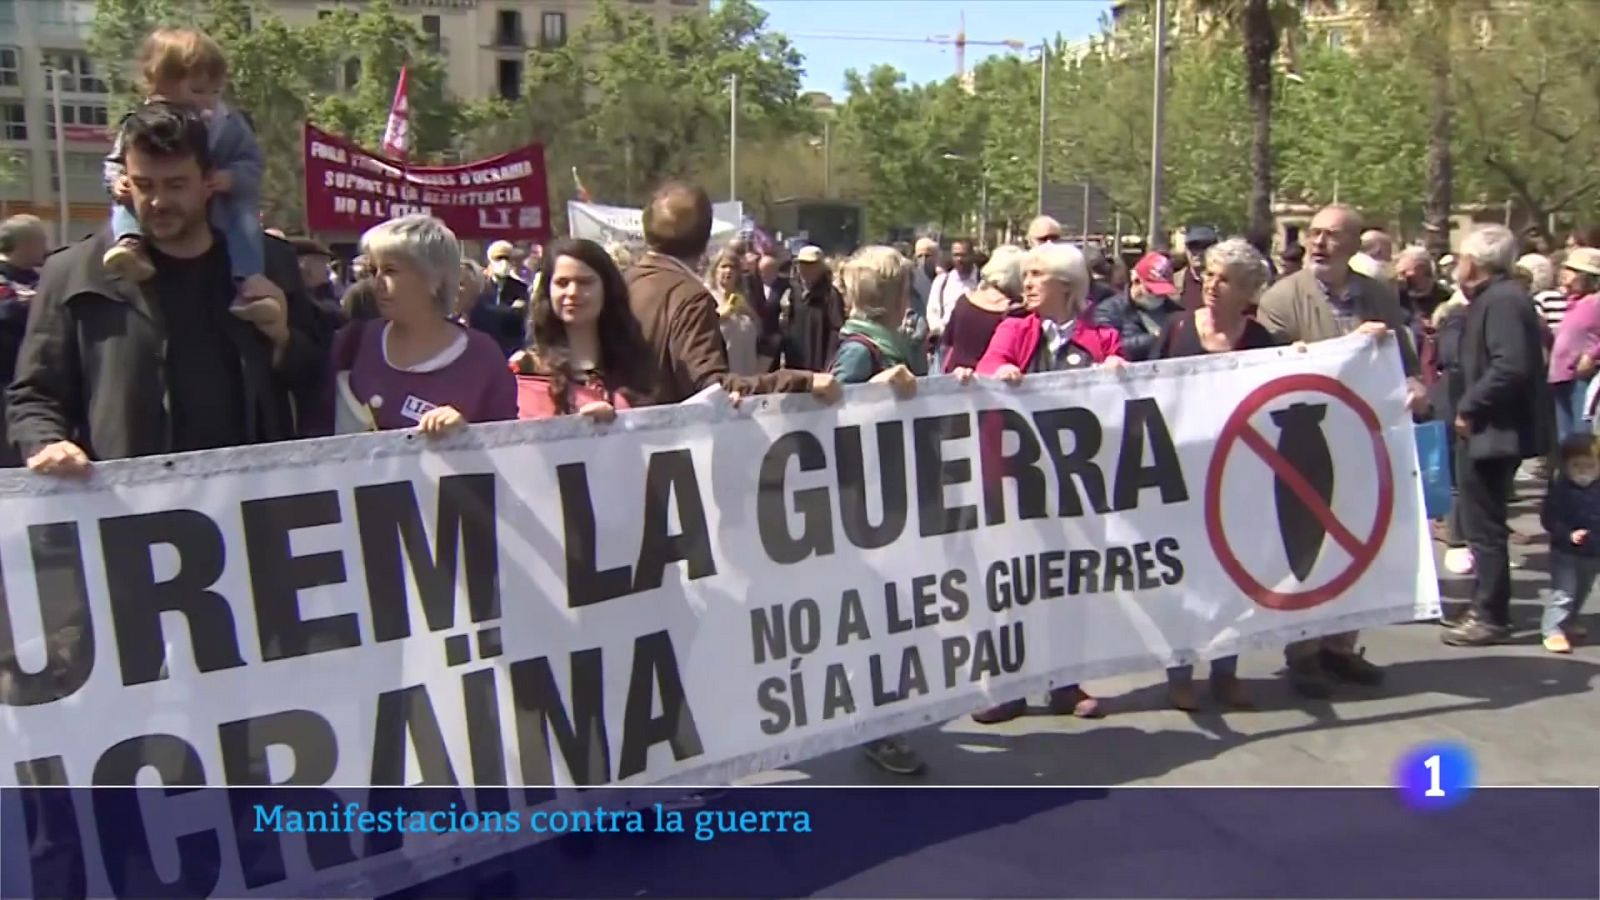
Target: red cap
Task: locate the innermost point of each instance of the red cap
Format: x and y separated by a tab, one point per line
1154	271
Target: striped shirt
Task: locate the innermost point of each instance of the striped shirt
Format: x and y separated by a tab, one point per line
1553	306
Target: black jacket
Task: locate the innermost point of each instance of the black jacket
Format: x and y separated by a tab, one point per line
16	288
508	290
1140	328
91	370
1501	389
810	324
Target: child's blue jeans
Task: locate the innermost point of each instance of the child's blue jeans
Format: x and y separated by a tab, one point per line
1571	578
237	221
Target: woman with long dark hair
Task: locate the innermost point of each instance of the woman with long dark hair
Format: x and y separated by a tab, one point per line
585	344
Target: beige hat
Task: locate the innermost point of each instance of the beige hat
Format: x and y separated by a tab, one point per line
1583	259
809	254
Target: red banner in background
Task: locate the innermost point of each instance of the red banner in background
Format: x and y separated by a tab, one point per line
349	190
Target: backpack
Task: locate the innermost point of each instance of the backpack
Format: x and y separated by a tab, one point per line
863	340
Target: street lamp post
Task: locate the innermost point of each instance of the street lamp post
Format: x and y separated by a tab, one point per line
733	137
1044	115
63	207
1158	117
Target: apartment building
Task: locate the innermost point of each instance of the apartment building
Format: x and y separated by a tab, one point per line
484	44
39	41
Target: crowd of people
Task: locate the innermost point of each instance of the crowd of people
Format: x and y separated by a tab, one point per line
172	329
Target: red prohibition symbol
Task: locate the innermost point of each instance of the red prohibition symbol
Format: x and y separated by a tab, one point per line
1238	431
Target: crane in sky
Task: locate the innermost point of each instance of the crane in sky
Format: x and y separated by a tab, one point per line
958	40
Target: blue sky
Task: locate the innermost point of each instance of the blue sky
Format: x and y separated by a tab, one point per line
994	20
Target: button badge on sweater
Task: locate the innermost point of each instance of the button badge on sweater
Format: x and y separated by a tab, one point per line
415	408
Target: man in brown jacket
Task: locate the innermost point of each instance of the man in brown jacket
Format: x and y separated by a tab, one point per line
1327	300
677	315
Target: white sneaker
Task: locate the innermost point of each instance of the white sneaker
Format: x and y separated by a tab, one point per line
1458	561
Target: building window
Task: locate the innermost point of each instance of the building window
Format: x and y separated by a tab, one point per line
684	2
14	121
81	121
430	33
77	72
508	29
85	171
72	15
555	29
352	73
1335	38
10	67
510	79
8	12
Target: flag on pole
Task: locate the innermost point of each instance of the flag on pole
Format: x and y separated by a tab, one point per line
577	183
397	135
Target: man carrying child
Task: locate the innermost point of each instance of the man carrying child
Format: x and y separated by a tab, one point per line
185	67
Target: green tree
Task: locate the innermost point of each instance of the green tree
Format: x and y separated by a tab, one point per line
384	43
282	76
1358	125
631	101
1528	100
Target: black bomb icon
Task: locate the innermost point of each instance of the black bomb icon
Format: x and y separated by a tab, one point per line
1304	447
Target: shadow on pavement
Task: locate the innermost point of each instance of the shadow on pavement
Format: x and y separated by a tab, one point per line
1106	753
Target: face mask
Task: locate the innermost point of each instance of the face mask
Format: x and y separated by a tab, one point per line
1148	300
499	267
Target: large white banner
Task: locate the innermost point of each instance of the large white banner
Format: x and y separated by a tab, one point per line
694	593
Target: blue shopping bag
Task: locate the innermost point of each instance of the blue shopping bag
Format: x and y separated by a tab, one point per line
1433	461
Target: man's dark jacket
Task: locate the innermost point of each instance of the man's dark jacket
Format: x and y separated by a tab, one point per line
1501	389
1140	328
91	368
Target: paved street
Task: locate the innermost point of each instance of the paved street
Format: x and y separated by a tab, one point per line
1529	715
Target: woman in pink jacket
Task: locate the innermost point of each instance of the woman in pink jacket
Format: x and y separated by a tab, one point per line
1056	334
1058	331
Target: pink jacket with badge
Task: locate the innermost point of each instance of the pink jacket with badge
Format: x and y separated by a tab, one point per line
1018	342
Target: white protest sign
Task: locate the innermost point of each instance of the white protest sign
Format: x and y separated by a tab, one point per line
625	225
693	593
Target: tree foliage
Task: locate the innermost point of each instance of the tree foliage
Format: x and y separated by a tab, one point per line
631	101
1485	101
283	76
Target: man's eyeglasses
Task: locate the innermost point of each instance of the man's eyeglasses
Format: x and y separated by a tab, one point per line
1048	238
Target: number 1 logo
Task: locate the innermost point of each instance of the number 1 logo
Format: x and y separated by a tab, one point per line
1436	776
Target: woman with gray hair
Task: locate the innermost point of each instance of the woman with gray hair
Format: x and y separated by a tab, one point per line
1057	332
1235	274
413	367
978	313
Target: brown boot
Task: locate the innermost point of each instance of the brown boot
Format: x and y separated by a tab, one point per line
1181	696
1074	700
1231	692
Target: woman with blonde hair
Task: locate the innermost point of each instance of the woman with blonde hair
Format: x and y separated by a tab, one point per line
740	327
876	283
872	347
